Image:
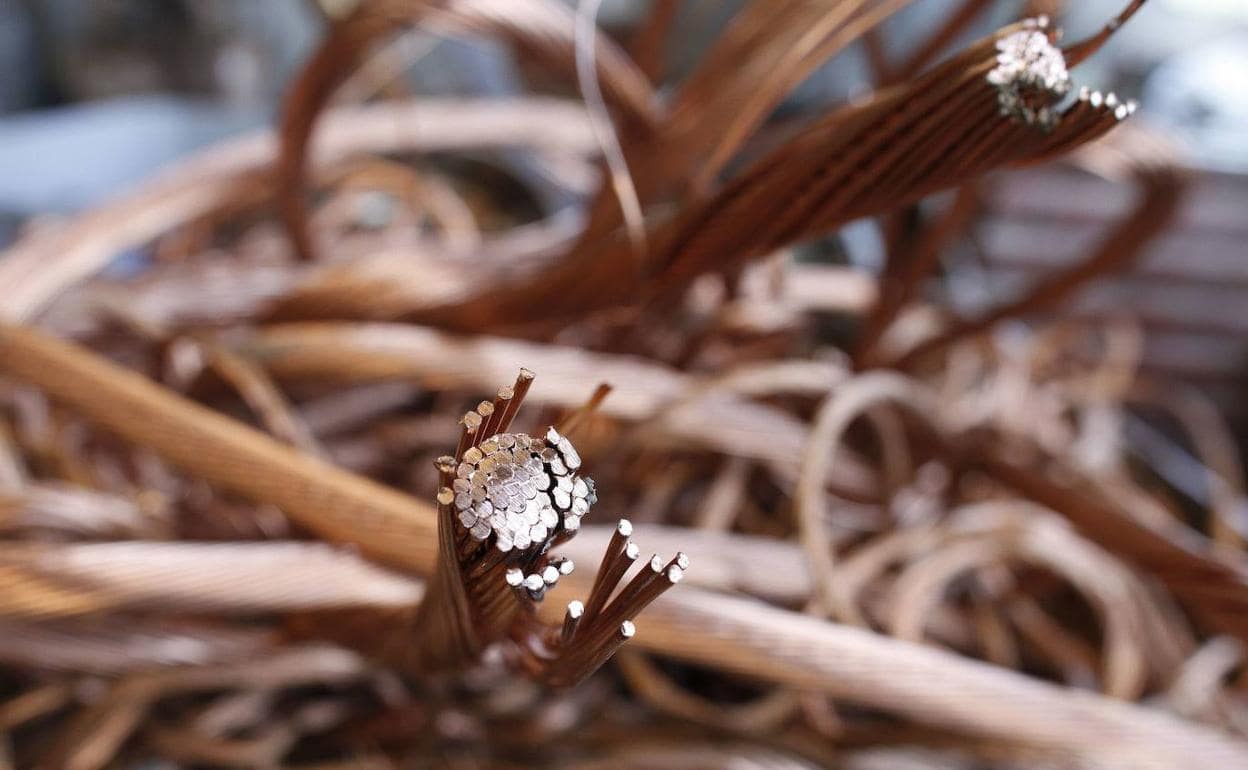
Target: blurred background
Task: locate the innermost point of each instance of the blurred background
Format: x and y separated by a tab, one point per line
959	471
99	94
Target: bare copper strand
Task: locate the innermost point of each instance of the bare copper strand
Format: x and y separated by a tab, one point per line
571	620
486	410
1079	52
577	417
467	436
591	633
472	431
446	470
647	575
519	390
646	586
497	408
491	559
571	671
619	556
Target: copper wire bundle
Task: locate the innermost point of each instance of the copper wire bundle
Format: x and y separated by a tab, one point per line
254	511
963	117
505	500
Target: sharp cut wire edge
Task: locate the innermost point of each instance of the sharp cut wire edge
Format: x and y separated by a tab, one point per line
618	557
571	621
649	582
486	410
500	404
504	500
521	388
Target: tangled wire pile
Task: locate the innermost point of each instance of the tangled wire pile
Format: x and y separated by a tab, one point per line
910	540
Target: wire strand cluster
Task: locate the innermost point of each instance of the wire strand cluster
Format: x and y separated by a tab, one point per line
505	500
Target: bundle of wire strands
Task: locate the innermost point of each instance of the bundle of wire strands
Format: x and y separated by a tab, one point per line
255	513
506	501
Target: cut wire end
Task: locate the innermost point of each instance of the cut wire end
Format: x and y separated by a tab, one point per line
506	499
605	621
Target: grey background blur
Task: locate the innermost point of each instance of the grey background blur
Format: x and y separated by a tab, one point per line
96	94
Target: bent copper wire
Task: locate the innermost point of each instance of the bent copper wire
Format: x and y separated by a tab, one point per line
999	102
505	500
